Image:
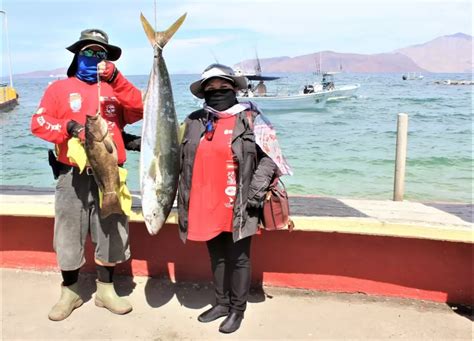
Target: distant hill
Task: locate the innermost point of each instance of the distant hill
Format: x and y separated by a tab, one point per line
451	53
60	72
333	61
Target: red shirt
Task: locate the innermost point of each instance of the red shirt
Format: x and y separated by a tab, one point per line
213	184
72	99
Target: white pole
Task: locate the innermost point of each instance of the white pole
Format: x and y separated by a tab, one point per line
400	159
8	48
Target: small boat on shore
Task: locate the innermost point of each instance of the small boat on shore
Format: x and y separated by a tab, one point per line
8	94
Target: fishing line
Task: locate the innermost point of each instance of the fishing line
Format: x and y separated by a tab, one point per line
156	44
98	88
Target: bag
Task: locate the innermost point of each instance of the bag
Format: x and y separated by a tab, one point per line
276	208
54	163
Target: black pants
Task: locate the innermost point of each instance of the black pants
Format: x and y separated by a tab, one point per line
230	263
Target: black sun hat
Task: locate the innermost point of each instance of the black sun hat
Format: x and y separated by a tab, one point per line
92	36
96	36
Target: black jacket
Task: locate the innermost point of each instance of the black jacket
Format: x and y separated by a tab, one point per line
255	171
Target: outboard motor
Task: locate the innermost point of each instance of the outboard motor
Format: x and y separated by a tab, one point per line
308	89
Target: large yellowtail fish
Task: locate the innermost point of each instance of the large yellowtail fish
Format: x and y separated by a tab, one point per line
102	155
159	155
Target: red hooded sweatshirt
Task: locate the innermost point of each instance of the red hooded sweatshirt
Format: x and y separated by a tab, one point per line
72	99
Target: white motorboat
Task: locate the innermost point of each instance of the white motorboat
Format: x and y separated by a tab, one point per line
288	102
280	100
334	92
410	76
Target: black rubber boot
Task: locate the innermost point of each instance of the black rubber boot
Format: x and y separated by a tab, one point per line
231	323
214	313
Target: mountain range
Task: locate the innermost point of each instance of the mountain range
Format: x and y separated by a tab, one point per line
450	54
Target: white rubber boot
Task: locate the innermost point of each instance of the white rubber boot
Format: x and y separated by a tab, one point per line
106	297
69	301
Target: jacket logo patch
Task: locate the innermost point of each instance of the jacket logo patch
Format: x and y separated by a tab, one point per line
75	102
110	110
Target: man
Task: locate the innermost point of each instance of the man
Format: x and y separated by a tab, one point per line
261	89
61	115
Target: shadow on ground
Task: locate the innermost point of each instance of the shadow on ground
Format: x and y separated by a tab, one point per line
463	310
159	291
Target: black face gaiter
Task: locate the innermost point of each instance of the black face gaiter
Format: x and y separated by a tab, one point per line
220	99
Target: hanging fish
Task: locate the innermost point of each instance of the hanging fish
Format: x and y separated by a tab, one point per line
159	156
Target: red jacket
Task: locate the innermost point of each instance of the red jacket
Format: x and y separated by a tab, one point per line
72	99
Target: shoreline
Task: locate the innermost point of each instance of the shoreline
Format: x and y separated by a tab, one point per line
136	193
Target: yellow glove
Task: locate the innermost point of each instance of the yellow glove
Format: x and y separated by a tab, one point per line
125	197
123	193
76	153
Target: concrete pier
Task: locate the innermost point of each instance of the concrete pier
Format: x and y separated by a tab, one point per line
377	247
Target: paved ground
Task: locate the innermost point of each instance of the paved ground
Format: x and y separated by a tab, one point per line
168	311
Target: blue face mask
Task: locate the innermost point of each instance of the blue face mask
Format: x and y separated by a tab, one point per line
87	68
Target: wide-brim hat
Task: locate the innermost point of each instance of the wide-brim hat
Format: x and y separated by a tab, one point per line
88	37
217	71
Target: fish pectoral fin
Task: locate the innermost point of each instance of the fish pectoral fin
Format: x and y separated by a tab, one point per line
160	38
153	170
181	131
108	146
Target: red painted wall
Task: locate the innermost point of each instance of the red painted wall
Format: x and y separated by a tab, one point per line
414	268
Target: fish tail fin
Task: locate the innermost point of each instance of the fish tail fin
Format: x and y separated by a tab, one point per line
110	205
160	38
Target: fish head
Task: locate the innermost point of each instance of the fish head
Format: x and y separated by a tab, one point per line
152	214
95	127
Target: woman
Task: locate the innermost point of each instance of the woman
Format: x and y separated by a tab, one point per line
223	180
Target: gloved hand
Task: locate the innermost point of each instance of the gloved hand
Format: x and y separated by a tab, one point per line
75	129
134	145
107	71
132	142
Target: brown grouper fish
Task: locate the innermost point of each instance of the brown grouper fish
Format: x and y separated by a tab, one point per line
102	155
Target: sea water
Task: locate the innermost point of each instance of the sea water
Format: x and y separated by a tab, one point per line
346	149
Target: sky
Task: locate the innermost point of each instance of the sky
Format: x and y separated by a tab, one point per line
225	30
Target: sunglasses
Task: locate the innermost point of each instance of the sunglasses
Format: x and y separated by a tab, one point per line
91	53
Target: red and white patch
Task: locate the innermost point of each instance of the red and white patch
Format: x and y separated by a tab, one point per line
110	110
75	102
